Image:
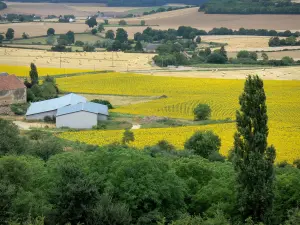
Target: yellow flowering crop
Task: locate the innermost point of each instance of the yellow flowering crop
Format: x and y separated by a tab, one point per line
284	137
183	94
181	97
23	71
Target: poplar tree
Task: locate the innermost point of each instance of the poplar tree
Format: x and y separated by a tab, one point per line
253	159
34	76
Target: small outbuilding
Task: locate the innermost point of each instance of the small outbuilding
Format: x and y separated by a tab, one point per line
81	116
38	110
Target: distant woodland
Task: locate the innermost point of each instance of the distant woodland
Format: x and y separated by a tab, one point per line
3	5
250	7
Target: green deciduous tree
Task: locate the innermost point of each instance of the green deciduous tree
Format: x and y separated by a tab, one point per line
91	22
203	143
253	159
264	56
101	27
198	39
71	37
10	141
10	34
143	22
122	22
25	35
223	52
94	31
216	58
50	31
1	38
128	136
121	35
110	34
138	47
202	112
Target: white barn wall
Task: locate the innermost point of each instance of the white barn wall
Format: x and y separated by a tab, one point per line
77	120
41	116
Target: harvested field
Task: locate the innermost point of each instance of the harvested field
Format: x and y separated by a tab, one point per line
87	37
237	43
94	8
191	17
273	73
42	9
295	54
40	28
118	61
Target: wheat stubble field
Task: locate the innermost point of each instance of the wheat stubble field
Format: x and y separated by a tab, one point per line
164	20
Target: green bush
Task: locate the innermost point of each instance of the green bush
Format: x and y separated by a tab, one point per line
79	43
203	143
50	119
296	163
202	112
94	31
216	156
287	60
36	134
103	102
88	48
216	58
19	109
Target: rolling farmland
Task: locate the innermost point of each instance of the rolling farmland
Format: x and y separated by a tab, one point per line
181	95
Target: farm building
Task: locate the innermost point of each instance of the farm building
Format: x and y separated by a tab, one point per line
12	90
81	116
151	47
38	110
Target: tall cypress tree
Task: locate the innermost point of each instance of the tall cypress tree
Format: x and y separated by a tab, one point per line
34	76
253	159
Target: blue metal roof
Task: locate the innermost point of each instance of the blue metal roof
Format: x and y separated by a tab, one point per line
87	107
54	104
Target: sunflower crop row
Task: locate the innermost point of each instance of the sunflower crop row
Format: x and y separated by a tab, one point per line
283	136
181	95
23	71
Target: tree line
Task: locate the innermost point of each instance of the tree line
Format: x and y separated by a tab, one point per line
46	180
151	35
290	41
250	7
2	5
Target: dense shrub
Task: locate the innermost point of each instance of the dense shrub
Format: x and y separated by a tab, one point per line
50	119
216	58
202	112
103	102
19	109
203	143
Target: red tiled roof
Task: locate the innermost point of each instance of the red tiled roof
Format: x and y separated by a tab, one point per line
10	82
